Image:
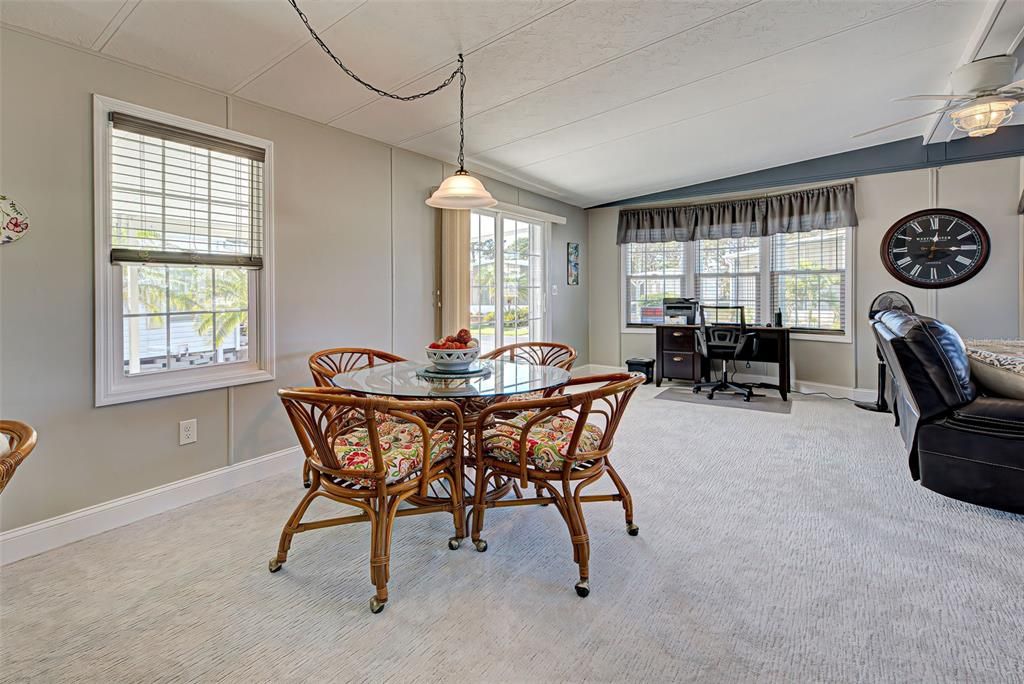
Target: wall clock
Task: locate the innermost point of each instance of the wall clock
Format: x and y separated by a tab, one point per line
935	248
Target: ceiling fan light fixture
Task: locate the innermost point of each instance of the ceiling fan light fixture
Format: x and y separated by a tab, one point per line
983	116
461	191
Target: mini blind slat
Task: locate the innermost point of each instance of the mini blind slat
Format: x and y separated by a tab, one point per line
183	197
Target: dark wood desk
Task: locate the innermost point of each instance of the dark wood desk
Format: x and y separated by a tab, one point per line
678	358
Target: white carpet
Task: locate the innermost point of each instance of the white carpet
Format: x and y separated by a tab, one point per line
772	548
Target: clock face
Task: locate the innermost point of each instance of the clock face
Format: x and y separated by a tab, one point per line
935	248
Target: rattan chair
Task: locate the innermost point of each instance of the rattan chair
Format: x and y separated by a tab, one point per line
327	363
373	454
536	353
561	445
21	440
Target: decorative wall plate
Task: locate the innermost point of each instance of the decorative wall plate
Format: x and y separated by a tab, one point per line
13	220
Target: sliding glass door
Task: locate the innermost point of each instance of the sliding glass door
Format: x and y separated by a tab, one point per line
507	279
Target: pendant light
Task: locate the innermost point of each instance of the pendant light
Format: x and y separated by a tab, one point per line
458	191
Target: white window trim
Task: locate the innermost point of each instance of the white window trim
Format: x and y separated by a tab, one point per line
112	385
499	212
765	291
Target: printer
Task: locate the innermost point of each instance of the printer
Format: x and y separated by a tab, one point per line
680	310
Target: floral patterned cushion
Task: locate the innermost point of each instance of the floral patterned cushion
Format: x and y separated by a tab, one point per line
525	396
548	440
401	446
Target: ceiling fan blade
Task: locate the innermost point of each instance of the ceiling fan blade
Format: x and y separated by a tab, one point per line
933	97
1016	85
913	118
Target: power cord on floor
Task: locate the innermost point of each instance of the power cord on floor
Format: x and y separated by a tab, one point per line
822	394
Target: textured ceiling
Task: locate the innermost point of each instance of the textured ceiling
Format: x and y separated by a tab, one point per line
586	100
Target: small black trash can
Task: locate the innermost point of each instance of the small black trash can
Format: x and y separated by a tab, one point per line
642	365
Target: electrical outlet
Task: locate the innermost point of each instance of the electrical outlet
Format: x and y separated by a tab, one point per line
188	431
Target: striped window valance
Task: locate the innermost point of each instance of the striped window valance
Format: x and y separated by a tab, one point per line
801	211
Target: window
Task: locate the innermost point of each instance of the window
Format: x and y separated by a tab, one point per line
183	279
805	275
507	279
809	279
653	272
728	274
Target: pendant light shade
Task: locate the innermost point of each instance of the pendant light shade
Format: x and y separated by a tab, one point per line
461	191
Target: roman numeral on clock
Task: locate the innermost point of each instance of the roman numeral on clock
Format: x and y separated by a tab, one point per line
914	271
904	261
963	260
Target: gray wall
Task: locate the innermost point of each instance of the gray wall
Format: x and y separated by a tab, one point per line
989	305
355	265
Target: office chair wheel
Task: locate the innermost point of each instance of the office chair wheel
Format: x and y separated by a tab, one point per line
583	588
632	529
376	605
746	397
274	565
696	390
454	543
711	395
480	545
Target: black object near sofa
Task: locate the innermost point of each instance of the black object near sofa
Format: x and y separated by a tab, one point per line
963	442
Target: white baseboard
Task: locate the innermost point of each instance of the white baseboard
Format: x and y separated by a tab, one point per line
45	535
595	369
804	387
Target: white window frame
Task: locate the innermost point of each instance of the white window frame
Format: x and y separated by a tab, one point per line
765	293
500	212
112	385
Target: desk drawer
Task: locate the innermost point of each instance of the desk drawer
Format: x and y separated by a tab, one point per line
678	340
680	365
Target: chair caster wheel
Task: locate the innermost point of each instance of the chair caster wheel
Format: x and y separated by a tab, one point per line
696	390
746	398
376	605
583	588
480	545
632	529
454	543
274	565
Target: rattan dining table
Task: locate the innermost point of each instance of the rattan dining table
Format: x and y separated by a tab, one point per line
505	380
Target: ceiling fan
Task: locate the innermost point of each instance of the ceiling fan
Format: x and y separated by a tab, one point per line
983	97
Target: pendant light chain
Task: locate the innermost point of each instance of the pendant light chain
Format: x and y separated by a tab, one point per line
458	191
462	115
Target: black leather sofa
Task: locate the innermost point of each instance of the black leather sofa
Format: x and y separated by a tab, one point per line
962	442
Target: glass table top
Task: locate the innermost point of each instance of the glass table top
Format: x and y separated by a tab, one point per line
400	380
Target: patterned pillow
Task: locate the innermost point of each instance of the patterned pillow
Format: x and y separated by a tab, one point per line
547	441
998	365
401	446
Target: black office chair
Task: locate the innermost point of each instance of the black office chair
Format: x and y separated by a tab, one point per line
728	342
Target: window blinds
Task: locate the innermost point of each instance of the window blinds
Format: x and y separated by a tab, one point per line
728	274
809	279
182	197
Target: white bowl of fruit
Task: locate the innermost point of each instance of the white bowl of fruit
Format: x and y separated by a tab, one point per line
454	352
